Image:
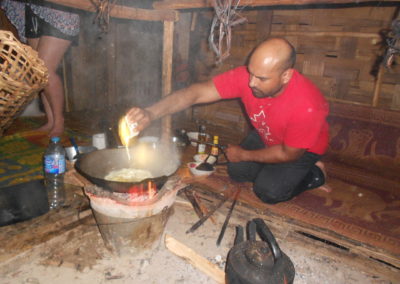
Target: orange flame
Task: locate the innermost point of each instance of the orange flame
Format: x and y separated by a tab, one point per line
143	190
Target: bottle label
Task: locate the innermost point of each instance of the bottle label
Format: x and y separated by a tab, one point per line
201	148
54	164
214	151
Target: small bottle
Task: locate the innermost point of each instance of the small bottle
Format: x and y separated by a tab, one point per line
214	150
202	138
54	170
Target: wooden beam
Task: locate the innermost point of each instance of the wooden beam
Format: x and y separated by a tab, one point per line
333	34
122	12
191	4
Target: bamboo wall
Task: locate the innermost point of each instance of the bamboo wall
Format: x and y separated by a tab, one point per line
337	49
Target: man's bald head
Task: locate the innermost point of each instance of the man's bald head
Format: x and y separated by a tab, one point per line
275	53
271	67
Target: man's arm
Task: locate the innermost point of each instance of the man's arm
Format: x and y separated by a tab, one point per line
198	93
273	154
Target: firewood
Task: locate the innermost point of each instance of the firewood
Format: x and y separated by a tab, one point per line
195	259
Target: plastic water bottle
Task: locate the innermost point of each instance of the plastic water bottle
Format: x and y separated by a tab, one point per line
54	170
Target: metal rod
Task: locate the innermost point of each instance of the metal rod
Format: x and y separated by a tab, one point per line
189	195
228	216
205	217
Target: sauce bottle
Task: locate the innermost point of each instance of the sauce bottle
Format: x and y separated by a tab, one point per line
214	149
202	138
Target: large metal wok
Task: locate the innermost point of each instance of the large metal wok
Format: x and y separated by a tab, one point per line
161	162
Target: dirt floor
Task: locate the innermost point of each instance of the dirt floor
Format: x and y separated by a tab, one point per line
79	256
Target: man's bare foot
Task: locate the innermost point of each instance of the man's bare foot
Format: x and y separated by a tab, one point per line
325	187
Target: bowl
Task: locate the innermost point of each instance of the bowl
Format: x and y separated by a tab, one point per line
192	167
201	157
195	136
71	152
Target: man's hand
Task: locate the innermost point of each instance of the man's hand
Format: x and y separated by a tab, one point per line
234	153
141	116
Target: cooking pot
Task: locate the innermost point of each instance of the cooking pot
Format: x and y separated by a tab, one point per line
160	161
256	262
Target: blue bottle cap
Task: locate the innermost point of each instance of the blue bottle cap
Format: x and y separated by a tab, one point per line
55	139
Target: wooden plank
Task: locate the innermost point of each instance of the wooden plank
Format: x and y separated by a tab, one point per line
326	33
168	42
122	12
195	259
190	4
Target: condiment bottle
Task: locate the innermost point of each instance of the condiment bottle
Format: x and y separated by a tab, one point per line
202	138
214	148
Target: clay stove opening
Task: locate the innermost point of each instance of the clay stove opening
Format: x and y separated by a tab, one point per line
133	222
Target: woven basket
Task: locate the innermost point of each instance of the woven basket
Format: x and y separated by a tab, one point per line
22	76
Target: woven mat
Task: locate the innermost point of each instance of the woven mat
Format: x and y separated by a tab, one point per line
359	213
21	153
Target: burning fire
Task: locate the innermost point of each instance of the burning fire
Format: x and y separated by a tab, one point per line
142	192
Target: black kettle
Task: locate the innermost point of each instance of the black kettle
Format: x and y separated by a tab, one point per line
256	262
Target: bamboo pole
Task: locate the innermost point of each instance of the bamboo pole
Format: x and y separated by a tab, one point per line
168	40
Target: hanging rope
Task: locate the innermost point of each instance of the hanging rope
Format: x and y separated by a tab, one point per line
393	44
226	16
103	8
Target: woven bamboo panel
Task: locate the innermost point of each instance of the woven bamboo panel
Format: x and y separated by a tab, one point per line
336	48
22	75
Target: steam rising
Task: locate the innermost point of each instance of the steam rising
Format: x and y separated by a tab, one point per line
159	158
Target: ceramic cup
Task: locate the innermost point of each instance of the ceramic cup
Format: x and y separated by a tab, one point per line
99	141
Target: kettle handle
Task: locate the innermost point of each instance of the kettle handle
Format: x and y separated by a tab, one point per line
239	235
267	236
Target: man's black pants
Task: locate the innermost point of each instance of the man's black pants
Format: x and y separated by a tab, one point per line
279	182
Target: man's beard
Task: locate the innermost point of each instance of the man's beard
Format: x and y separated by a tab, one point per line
259	94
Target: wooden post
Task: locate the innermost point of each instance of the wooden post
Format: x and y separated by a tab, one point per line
168	40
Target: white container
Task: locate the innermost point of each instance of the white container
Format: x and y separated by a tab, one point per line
201	157
195	136
99	141
192	167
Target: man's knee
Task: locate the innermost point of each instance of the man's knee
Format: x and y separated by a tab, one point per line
239	172
270	194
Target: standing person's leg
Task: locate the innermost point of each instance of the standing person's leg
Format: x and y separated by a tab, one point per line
51	50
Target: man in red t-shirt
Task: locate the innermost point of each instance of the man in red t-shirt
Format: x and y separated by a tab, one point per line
287	111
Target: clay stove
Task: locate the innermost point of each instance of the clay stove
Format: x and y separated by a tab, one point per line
133	222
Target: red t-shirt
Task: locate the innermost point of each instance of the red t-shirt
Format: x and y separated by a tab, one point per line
296	118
